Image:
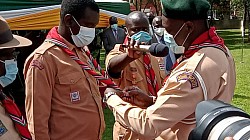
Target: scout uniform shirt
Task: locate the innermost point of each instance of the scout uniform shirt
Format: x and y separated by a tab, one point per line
63	102
7	128
208	74
134	75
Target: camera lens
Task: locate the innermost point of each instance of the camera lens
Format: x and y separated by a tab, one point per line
217	120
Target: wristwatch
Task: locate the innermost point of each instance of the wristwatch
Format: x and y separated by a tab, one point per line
107	95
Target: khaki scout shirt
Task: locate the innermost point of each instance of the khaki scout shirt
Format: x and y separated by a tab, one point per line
134	75
63	102
209	73
7	129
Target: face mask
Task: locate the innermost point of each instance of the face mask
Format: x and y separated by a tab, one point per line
11	72
142	37
169	39
114	26
84	37
159	31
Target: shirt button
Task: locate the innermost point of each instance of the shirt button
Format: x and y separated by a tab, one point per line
72	81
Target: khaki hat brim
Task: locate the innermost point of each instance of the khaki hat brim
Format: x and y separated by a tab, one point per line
17	41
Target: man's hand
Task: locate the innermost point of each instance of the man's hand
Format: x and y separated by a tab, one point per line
131	52
123	95
137	97
132	95
109	90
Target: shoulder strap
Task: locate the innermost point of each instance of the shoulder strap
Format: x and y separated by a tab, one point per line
45	46
192	64
194	61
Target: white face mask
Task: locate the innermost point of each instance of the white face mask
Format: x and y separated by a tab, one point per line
170	39
84	37
159	31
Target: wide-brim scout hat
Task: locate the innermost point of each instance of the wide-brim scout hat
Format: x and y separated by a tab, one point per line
8	40
185	9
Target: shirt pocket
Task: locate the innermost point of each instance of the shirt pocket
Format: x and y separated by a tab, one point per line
133	76
69	88
162	75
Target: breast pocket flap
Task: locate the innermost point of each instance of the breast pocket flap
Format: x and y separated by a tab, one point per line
70	78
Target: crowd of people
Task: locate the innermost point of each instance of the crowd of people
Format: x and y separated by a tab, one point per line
150	97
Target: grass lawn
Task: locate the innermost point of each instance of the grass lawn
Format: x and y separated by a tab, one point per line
234	41
241	98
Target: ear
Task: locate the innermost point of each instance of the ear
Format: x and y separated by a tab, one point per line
190	26
68	20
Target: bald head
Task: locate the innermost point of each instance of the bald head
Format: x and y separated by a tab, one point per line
157	22
136	16
136	21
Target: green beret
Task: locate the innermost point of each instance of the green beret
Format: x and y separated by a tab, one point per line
185	9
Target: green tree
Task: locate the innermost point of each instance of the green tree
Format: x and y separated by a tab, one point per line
248	11
239	6
222	7
247	14
142	4
243	7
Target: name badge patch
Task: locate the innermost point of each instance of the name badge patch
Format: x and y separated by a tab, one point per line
3	129
75	96
37	64
161	65
188	76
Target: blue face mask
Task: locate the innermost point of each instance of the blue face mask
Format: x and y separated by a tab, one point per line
114	26
11	72
142	37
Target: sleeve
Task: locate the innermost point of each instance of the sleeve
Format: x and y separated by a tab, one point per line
118	49
39	81
105	42
176	101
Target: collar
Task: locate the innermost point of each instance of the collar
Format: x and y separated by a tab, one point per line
53	34
70	46
159	38
206	39
209	36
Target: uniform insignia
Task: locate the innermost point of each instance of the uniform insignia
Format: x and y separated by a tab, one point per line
133	69
36	63
3	129
188	76
161	66
75	96
133	75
